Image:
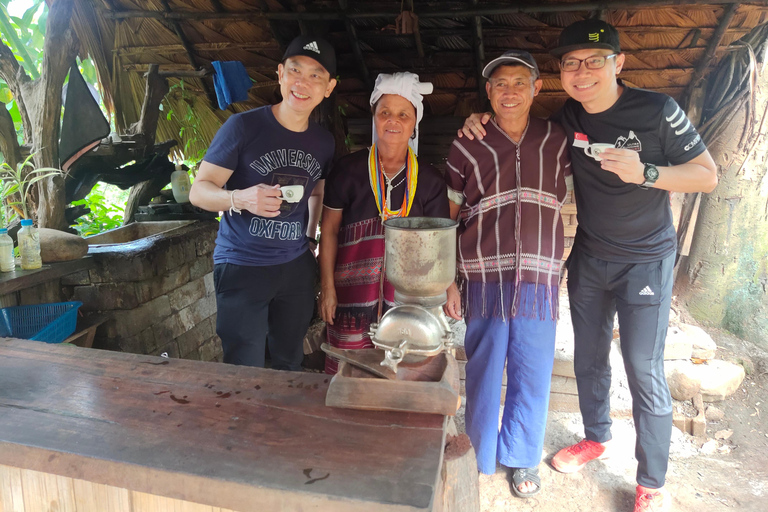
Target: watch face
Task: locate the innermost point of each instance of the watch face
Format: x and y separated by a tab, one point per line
651	173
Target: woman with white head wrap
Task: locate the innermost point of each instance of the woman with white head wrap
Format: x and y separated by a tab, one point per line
364	189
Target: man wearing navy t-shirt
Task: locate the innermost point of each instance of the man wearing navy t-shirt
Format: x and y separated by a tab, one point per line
624	251
265	170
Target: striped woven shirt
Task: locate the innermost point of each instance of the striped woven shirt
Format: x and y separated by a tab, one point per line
511	233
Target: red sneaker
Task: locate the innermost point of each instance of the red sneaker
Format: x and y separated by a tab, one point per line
650	500
575	457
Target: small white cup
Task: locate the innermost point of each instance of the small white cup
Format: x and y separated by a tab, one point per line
594	150
292	193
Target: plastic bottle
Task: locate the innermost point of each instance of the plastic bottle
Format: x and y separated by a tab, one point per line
29	246
180	185
7	260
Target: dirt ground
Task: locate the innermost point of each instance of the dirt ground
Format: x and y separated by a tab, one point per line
720	475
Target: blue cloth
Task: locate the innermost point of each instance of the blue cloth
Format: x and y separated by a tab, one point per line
527	345
231	82
258	149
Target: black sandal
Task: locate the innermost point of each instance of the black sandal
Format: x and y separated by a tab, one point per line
522	475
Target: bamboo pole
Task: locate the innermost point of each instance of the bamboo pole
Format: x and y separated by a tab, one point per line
711	51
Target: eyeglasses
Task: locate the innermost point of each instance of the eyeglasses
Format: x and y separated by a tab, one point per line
594	62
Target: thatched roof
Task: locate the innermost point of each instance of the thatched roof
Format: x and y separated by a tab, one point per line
665	42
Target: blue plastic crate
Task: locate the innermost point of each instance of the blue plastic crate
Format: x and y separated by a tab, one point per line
51	323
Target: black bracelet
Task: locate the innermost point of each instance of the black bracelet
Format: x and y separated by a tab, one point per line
310	239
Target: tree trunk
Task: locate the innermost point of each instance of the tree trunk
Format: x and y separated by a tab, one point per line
40	105
9	146
724	280
60	51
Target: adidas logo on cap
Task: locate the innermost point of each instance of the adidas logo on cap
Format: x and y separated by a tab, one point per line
312	47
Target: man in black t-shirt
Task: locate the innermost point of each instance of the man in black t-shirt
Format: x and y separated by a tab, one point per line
624	251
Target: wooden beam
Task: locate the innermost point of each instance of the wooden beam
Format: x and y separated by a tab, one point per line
477	37
492	32
710	53
190	55
197	47
355	43
200	73
465	92
416	32
458	13
155	91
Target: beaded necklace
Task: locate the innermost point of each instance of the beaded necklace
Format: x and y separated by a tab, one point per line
377	177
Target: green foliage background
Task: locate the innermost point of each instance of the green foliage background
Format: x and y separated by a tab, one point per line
25	35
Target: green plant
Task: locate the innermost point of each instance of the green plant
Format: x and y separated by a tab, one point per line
106	212
190	129
21	179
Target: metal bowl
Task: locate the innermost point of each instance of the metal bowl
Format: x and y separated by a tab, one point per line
410	329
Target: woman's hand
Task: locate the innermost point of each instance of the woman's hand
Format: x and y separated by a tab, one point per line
327	304
452	307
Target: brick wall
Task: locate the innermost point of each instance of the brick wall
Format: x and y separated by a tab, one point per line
156	293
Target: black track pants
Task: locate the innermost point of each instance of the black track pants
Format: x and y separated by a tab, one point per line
641	294
270	304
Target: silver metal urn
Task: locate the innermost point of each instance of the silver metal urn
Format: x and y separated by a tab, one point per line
420	262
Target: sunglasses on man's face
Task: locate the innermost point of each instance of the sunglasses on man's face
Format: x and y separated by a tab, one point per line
593	62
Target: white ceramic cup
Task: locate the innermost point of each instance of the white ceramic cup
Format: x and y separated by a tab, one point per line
594	150
292	193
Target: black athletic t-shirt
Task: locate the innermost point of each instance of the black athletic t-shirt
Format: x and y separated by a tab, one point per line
621	222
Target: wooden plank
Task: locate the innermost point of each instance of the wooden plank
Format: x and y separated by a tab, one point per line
431	388
563	403
19	279
53	492
11	491
564	385
685	250
569	231
178	428
568	209
104	498
563	368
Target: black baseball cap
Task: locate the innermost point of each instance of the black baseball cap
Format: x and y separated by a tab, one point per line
316	48
592	33
512	58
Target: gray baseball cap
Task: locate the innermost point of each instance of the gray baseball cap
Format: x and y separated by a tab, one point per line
512	58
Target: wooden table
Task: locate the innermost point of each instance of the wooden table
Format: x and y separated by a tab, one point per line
103	431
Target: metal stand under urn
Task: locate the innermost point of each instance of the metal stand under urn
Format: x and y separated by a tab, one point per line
411	368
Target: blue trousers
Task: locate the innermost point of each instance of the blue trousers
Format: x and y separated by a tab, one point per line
527	345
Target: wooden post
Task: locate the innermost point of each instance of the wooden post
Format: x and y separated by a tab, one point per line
461	487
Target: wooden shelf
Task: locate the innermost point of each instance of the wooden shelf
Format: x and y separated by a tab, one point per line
20	279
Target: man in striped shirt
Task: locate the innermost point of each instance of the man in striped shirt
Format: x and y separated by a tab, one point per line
507	191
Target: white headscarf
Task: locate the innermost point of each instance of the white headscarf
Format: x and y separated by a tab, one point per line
408	86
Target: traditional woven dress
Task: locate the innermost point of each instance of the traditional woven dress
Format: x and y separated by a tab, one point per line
357	276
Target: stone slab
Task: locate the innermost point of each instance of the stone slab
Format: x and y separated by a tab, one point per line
678	344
